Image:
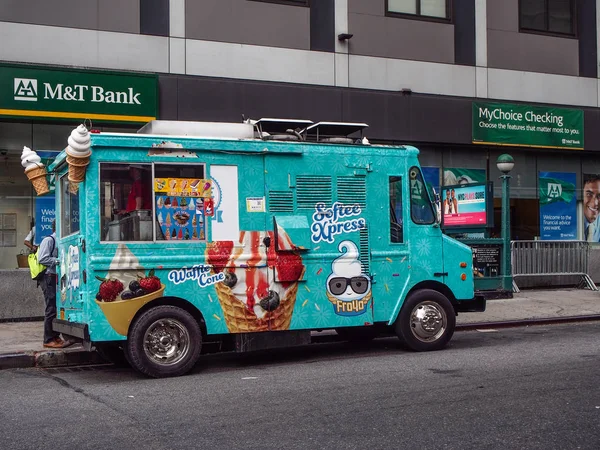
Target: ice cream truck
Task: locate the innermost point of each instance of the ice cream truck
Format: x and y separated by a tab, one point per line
252	235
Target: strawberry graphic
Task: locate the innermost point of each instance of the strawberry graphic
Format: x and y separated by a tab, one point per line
109	289
150	283
289	268
218	253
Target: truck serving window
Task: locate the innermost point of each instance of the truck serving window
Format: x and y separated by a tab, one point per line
126	202
421	209
182	198
396	233
69	207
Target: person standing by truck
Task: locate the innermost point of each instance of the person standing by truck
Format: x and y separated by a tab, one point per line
48	256
28	242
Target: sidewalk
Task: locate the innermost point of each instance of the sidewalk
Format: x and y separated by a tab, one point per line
21	342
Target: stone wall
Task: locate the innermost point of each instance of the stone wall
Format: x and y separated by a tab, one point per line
20	298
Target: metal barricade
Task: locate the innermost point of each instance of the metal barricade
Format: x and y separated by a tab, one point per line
550	258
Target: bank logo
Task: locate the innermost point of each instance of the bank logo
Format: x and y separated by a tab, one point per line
554	190
26	89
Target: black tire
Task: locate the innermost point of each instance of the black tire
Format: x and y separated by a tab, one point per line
437	328
112	352
357	334
164	341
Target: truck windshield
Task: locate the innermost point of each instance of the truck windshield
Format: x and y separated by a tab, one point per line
421	209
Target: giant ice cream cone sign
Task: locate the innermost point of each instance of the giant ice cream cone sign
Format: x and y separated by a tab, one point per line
35	170
78	154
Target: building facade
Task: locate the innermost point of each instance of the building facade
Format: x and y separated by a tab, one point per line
459	79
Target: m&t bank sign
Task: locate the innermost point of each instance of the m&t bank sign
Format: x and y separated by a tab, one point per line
27	91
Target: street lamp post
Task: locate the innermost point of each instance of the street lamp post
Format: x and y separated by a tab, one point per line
505	164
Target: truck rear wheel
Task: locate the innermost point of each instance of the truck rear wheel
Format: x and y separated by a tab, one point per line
426	321
164	341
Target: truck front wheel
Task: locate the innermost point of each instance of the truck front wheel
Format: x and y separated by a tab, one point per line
164	341
426	321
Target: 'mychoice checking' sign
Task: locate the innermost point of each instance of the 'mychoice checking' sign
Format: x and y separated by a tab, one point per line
527	126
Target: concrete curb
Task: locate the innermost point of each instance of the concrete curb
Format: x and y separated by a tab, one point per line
78	356
47	359
526	322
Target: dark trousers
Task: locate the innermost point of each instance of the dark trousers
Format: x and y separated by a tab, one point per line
48	285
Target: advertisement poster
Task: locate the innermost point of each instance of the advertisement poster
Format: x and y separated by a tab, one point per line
464	206
180	207
558	206
457	175
591	205
44	216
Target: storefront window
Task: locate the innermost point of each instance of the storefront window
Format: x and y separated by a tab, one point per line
396	231
69	205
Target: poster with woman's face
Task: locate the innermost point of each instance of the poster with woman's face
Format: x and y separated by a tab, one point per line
591	204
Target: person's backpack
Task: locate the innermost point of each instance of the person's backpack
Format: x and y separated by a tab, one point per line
36	269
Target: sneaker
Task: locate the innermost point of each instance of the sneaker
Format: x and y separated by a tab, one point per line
55	343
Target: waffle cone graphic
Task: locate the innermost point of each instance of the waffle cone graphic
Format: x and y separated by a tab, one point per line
240	319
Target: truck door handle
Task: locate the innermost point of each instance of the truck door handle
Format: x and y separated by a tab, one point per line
440	274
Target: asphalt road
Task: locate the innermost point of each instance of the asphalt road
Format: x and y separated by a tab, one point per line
523	388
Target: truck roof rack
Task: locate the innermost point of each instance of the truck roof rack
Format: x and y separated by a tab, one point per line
336	132
281	129
218	130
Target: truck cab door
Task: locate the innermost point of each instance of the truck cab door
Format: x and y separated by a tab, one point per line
71	251
425	241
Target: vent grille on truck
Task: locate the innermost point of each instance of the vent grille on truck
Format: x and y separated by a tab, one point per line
352	190
365	256
281	201
313	189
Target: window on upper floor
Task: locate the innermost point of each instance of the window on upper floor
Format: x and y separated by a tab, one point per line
426	9
286	2
548	16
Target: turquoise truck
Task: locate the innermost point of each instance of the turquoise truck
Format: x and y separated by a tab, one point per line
188	233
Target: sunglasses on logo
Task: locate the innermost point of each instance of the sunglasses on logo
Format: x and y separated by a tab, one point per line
338	285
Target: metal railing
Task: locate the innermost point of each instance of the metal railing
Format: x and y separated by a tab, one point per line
550	258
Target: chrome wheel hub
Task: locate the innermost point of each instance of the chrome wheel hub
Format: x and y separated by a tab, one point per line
428	321
166	342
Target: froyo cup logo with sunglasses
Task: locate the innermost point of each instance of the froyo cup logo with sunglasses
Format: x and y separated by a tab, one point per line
348	288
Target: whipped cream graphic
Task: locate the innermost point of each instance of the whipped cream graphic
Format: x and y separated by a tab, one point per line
125	266
79	142
348	288
30	159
